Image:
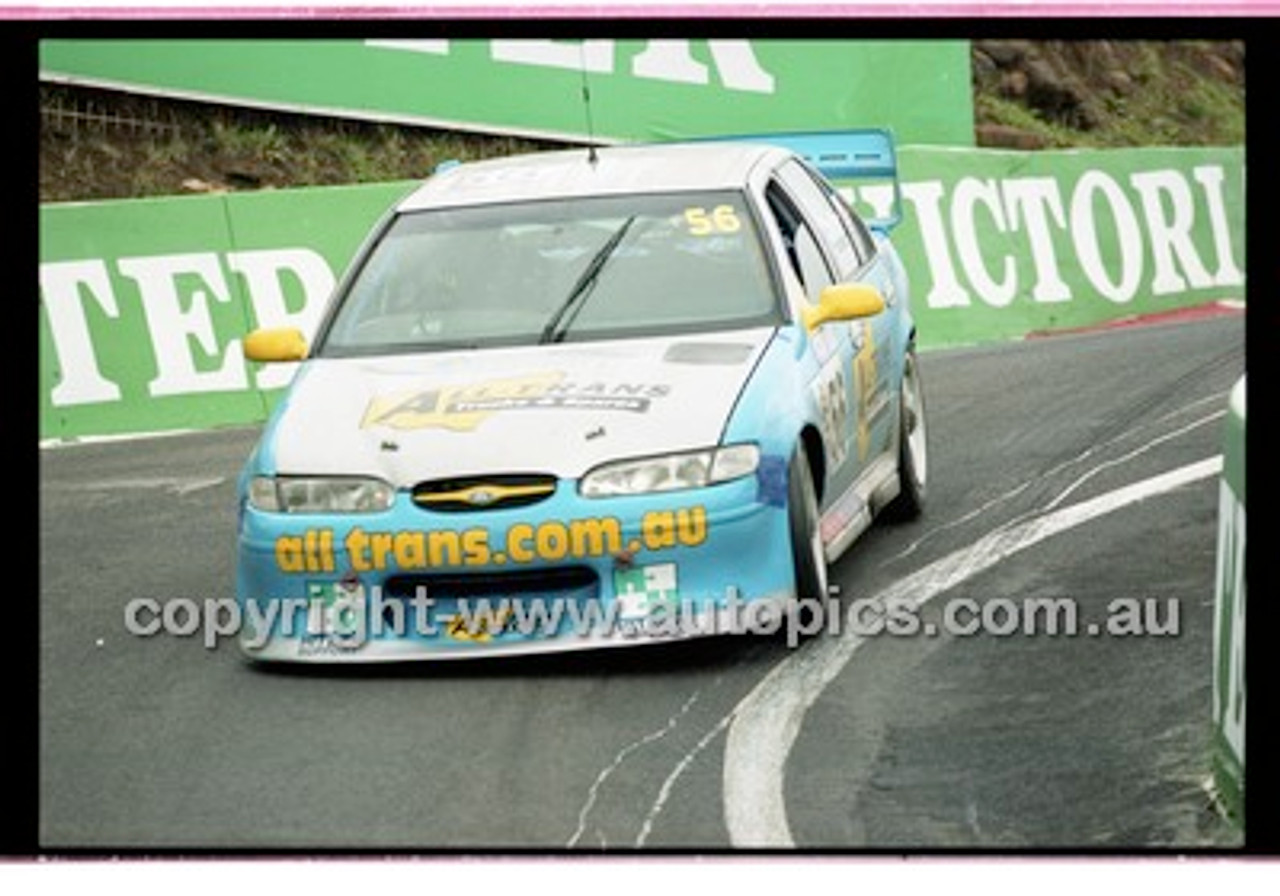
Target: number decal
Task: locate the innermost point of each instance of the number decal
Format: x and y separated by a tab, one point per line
866	375
831	393
721	219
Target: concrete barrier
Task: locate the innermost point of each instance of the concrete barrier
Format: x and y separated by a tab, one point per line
1229	617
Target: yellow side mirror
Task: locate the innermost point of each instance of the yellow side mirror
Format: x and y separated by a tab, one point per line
844	301
277	344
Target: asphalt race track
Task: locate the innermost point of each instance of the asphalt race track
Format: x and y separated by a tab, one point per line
1047	481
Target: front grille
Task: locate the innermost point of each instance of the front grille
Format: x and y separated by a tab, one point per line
508	606
471	493
579	581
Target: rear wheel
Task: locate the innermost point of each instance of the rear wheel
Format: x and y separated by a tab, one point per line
807	552
913	445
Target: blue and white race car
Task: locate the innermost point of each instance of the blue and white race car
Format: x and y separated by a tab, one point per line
582	398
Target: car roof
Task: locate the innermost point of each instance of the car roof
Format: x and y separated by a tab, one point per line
616	170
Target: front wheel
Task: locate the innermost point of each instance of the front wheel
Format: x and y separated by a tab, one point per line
807	552
913	445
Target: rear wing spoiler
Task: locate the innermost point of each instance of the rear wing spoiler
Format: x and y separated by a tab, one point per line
841	156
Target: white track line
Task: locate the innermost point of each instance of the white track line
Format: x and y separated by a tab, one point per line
766	722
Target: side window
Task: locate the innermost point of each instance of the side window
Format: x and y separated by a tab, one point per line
803	251
862	241
819	209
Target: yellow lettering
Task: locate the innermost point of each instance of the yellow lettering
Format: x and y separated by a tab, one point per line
311	561
313	551
357	543
289	553
402	410
697	221
595	538
380	544
411	550
658	529
440	544
475	547
692	526
726	219
326	550
723	219
518	538
446	407
552	541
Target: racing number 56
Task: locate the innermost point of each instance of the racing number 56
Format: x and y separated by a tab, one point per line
721	219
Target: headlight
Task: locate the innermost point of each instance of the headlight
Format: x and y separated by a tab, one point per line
299	494
690	469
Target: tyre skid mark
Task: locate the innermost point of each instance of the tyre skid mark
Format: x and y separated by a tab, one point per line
593	792
1116	461
1010	494
664	793
766	722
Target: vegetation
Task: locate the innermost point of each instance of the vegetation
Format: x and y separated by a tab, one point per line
98	144
1031	95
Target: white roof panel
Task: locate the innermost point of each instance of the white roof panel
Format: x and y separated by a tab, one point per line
617	170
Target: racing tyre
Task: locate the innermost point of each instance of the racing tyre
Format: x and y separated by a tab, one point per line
807	553
913	445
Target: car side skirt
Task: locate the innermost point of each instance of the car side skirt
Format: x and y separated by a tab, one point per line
851	514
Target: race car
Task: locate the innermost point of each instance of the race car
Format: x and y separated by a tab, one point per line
587	397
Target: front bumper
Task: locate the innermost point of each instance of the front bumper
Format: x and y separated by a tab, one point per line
567	573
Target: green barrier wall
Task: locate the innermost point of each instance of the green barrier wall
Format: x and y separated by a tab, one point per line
143	302
640	90
1229	630
999	244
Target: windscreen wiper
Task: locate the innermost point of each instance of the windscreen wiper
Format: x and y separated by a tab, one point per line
554	331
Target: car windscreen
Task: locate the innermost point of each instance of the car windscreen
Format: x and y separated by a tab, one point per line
556	270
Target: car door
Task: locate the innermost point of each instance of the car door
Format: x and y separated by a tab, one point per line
816	264
853	258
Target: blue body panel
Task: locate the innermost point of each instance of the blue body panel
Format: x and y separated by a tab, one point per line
675	547
392	584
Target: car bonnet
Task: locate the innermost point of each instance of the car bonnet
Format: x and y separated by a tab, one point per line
559	410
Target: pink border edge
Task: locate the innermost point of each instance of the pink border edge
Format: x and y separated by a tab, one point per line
603	10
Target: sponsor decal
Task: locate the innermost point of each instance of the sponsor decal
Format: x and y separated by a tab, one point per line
463	408
831	394
315	549
641	589
335	618
333	608
866	376
482	628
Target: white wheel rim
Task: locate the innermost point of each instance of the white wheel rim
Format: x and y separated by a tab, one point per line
817	551
819	563
913	423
